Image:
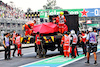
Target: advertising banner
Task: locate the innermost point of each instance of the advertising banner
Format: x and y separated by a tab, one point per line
91	12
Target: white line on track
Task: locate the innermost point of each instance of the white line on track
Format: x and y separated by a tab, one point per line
55	56
75	60
37	61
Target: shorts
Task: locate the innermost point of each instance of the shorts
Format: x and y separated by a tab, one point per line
91	47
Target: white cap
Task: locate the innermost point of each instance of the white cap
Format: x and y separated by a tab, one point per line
90	29
72	32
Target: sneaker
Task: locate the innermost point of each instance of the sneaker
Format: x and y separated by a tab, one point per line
78	55
64	56
74	56
95	63
87	63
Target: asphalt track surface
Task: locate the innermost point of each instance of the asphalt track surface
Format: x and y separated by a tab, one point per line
29	56
81	63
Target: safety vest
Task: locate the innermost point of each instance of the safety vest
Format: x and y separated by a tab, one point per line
26	27
37	39
31	25
83	38
92	37
61	19
74	39
65	40
18	40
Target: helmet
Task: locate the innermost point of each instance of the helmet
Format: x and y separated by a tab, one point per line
90	29
72	32
62	13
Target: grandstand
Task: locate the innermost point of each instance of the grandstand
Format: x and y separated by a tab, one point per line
11	18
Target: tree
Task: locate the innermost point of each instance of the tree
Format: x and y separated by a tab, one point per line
50	4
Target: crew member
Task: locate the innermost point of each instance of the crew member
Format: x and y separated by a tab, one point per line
54	20
91	45
38	44
83	41
18	42
61	20
73	42
31	27
65	41
15	46
28	27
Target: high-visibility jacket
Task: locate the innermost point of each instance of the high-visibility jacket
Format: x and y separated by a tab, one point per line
18	40
65	40
31	25
83	37
73	38
37	39
61	19
26	27
14	35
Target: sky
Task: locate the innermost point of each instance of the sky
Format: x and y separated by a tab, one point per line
35	5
